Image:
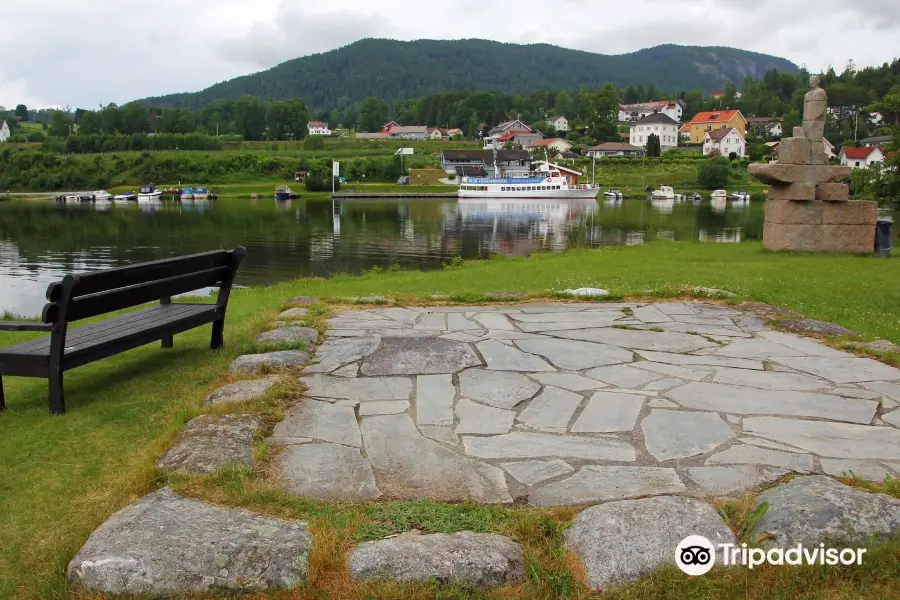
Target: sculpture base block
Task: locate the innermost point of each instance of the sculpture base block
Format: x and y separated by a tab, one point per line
817	226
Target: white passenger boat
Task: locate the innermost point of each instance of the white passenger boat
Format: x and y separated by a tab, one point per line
201	193
663	193
149	193
613	194
546	180
719	195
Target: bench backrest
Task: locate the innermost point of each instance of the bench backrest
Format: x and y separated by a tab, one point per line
87	295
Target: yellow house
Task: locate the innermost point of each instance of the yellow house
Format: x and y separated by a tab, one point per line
708	121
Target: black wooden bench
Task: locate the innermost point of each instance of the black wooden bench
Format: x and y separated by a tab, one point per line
87	295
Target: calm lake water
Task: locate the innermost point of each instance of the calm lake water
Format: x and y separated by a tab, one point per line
40	241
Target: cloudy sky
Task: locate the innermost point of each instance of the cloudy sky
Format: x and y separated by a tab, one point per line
88	52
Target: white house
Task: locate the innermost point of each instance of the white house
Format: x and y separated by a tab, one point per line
4	131
318	128
614	149
765	126
862	157
560	123
550	144
409	132
725	141
640	110
434	133
659	124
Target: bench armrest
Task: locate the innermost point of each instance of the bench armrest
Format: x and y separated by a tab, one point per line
25	326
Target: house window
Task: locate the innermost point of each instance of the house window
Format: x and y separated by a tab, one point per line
857	163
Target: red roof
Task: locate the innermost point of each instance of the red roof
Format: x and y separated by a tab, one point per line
545	142
317	124
510	135
716	116
717	94
858	153
758	119
717	135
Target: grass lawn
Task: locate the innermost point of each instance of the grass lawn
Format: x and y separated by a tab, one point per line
60	477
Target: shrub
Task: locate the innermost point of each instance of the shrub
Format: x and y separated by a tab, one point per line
314	142
713	174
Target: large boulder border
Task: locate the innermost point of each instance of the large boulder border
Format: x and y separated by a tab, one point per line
252	363
478	559
209	442
165	544
620	542
817	509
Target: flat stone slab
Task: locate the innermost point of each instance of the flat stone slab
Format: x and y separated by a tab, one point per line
593	484
665	341
551	410
251	363
808	326
208	442
696	361
585	292
241	391
608	412
842	370
832	440
770	380
293	313
165	544
568	381
816	509
339	352
303	300
479	418
574	356
672	434
434	400
500	357
383	407
623	376
754	455
476	559
320	421
532	472
749	401
409	466
855	468
499	389
288	335
327	472
620	542
733	480
536	445
419	356
364	389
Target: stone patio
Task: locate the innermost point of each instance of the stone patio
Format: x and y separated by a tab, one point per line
578	403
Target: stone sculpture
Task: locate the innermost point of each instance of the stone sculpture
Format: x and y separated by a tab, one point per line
808	208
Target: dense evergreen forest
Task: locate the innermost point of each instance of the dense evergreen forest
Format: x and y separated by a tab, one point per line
394	71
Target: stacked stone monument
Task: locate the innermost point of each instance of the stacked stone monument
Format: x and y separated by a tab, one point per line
808	207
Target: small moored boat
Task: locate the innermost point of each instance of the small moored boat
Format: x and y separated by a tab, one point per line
125	196
187	194
149	193
283	192
664	192
101	196
613	194
719	195
201	193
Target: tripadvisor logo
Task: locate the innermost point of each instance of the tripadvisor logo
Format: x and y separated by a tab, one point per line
696	555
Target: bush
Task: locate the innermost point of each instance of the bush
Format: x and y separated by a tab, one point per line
451	176
314	142
732	156
713	174
319	183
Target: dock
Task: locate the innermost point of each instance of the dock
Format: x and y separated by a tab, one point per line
390	195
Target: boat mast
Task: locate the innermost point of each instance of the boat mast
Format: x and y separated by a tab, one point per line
496	168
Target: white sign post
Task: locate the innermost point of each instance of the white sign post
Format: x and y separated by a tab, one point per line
335	173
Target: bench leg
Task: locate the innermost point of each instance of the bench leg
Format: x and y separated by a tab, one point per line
218	334
167	342
57	397
2	400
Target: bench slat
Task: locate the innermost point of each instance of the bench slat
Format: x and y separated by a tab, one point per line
107	302
119	277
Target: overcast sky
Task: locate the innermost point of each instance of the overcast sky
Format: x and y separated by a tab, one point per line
88	52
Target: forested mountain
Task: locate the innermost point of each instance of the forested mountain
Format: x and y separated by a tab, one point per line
392	70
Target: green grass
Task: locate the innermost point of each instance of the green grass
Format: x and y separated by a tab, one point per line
60	477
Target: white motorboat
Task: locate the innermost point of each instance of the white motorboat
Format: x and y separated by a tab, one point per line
741	196
201	193
125	197
613	194
101	196
187	194
719	195
148	193
663	193
545	180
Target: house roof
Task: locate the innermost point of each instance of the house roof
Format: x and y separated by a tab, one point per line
409	129
657	118
547	142
717	94
487	156
758	119
507	124
858	153
316	124
686	128
511	134
876	139
556	118
716	116
639	106
378	135
717	135
616	146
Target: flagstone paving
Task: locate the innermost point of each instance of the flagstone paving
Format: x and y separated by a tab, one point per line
573	403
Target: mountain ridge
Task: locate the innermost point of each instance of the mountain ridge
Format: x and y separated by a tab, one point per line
395	70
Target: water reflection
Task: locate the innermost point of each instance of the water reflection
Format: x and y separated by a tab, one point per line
40	242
